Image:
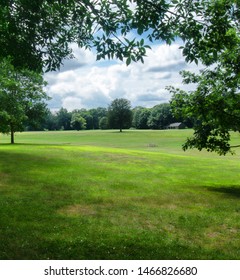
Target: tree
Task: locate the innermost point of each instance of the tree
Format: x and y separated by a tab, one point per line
103	123
78	122
64	119
86	114
95	120
37	34
140	117
215	103
160	117
50	122
120	114
22	98
214	106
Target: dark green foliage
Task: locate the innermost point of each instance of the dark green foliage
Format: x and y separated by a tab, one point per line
22	99
215	108
64	119
78	122
34	33
140	117
214	105
103	123
160	117
50	122
120	114
37	34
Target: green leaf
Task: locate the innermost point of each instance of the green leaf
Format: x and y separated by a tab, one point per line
129	60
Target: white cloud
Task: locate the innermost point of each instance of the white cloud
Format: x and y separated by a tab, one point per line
92	84
72	103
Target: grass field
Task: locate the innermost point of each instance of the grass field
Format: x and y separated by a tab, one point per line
110	195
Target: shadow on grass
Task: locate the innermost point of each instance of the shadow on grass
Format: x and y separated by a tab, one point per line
231	191
133	247
34	144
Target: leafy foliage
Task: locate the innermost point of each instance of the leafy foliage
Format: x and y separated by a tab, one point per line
103	123
160	117
215	104
37	34
63	119
78	122
99	118
120	114
140	117
22	98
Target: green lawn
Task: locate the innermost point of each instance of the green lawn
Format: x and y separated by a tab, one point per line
111	195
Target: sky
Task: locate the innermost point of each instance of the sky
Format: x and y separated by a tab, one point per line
86	83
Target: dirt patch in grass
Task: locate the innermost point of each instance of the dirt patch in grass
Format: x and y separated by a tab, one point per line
83	210
169	206
223	233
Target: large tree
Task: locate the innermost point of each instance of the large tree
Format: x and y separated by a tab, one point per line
22	98
37	34
214	105
160	117
120	114
140	117
64	119
78	122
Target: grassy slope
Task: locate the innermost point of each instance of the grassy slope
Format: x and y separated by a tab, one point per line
106	195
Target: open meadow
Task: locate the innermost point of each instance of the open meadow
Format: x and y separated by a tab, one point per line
110	195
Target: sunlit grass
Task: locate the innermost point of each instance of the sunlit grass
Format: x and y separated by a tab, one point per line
107	195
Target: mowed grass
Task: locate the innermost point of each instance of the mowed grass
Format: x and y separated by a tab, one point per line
110	195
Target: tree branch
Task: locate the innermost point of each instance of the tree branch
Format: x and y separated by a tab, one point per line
236	146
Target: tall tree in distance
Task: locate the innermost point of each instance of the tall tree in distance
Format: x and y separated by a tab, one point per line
161	116
77	121
140	117
64	119
22	98
120	114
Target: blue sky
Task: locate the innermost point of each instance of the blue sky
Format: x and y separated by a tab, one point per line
86	83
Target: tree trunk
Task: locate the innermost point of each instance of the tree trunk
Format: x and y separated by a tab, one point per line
12	135
120	125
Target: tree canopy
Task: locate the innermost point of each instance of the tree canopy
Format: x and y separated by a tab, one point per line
160	116
140	117
215	102
37	34
42	30
22	98
77	121
120	114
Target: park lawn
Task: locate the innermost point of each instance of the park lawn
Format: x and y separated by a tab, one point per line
111	195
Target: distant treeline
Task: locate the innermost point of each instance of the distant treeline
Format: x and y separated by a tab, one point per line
157	117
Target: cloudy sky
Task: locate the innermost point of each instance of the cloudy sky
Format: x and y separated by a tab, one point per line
87	83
